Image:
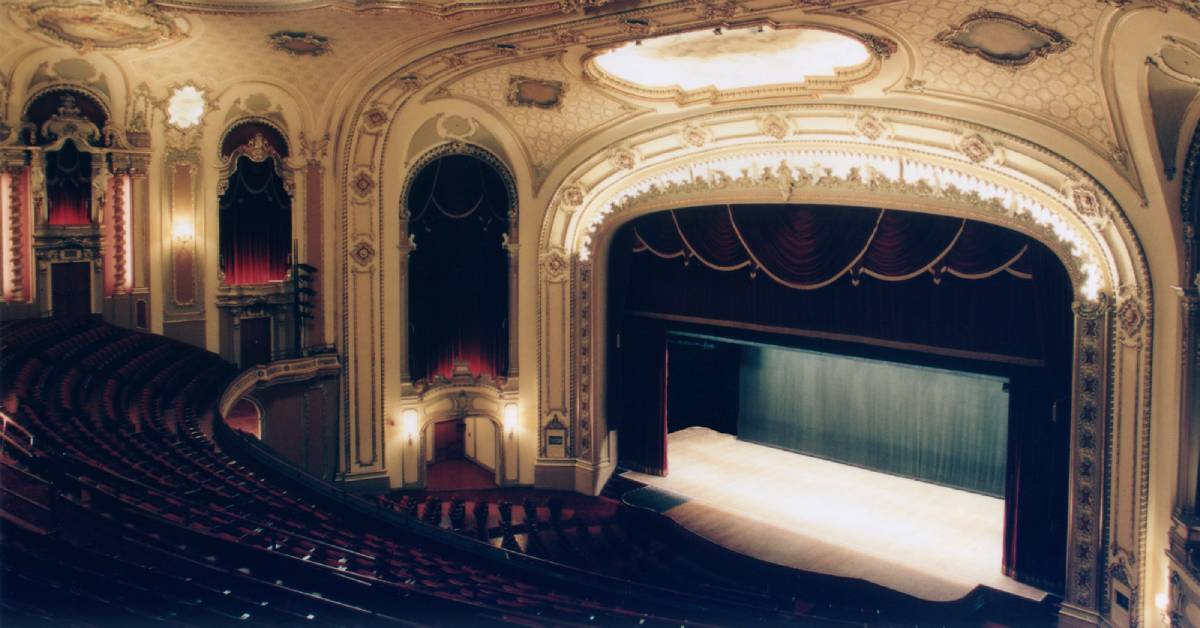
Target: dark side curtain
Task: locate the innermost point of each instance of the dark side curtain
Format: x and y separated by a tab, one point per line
255	213
1035	532
69	185
458	274
642	438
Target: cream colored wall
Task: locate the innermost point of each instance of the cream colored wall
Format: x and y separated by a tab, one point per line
481	442
1135	37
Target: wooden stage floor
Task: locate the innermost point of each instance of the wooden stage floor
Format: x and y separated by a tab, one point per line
928	541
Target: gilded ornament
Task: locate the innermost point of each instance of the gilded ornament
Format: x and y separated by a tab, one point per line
300	43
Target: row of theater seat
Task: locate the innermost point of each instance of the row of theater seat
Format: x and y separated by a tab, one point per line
599	543
130	476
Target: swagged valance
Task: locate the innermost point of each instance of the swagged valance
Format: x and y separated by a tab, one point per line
807	248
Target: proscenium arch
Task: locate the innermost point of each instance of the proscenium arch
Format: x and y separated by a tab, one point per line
926	164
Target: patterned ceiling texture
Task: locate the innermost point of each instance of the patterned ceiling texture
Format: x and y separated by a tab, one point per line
1037	59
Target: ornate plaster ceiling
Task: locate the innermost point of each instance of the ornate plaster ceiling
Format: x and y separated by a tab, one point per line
546	131
1063	87
220	43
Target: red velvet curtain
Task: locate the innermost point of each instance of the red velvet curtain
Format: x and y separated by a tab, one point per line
900	276
69	185
256	224
458	274
809	247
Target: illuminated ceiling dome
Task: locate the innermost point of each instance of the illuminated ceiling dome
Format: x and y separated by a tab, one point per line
708	61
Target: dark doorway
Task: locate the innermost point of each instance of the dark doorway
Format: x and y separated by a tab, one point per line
71	289
448	440
256	341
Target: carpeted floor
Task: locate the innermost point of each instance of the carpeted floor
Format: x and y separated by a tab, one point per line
458	475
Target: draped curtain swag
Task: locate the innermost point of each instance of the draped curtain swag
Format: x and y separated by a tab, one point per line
256	223
807	248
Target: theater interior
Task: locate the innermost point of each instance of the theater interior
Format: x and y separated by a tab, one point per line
599	313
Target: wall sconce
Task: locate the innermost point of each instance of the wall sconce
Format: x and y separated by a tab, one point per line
183	231
1162	602
510	419
410	423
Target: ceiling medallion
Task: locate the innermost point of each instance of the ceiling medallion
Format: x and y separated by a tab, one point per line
111	25
300	43
530	92
1003	39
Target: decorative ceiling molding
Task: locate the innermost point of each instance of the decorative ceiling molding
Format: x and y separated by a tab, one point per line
443	9
1003	39
300	43
113	25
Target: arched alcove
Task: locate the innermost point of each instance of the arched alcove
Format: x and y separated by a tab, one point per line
255	206
68	173
457	212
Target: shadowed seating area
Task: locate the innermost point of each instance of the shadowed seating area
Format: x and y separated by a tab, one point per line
120	509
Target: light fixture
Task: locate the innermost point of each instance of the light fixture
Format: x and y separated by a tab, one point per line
183	231
410	423
739	58
185	106
1162	602
510	419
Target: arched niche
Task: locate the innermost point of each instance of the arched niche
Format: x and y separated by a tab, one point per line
69	123
255	204
458	215
894	159
78	208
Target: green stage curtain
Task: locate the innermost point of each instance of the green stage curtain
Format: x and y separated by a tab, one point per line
941	426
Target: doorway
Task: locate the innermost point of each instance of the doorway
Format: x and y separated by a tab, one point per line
255	341
71	289
449	442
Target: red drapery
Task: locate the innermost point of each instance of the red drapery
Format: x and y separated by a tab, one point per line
69	186
458	274
810	247
256	224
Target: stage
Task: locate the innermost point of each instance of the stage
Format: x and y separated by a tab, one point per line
925	540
